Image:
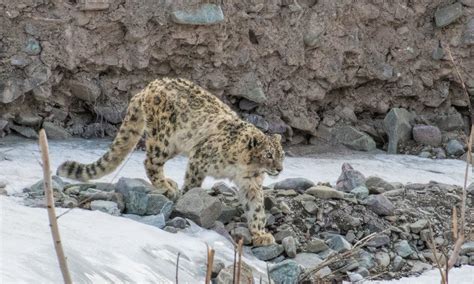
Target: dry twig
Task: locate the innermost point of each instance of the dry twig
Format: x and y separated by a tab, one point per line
239	264
177	267
210	262
43	141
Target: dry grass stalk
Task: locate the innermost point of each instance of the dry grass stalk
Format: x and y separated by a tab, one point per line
454	220
239	263
53	223
177	267
432	245
337	257
461	237
210	263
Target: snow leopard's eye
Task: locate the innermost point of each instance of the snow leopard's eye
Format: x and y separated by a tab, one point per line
269	155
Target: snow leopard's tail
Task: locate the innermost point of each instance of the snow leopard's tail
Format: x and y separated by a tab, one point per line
127	138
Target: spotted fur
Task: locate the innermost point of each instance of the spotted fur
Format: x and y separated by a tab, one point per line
178	116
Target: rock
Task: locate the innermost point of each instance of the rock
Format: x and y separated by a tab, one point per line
226	275
438	53
170	229
398	263
205	14
353	138
467	248
382	258
224	188
427	135
54	131
365	259
468	35
355	277
287	271
349	178
289	244
316	246
200	207
310	206
32	47
380	205
10	90
158	203
228	213
283	234
360	192
140	200
28	119
403	249
376	185
440	153
3	192
379	240
268	252
84	90
152	220
113	114
449	121
324	192
19	60
419	266
298	184
398	127
448	14
308	260
419	225
258	121
108	207
470	189
424	154
24	131
177	222
93	5
247	105
454	148
241	233
339	243
57	185
217	266
249	87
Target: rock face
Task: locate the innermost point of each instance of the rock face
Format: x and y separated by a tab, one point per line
308	80
398	127
200	207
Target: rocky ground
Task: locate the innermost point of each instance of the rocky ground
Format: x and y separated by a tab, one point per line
311	70
312	223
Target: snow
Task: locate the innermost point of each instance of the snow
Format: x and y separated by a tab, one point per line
103	248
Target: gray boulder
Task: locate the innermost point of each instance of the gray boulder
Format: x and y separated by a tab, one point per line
268	252
427	134
298	184
448	14
249	87
380	205
377	185
324	192
349	178
54	131
403	249
397	124
108	207
206	14
287	271
152	220
454	148
339	243
468	35
360	192
200	207
353	138
289	244
140	198
24	131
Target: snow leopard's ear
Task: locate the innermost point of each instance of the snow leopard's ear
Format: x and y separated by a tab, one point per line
276	137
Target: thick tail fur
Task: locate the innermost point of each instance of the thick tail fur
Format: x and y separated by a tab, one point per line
127	138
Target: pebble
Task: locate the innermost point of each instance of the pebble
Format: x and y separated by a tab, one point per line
454	148
289	244
380	204
403	249
268	252
316	246
339	243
